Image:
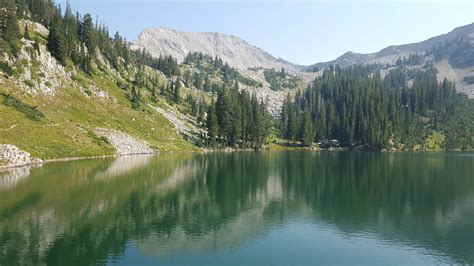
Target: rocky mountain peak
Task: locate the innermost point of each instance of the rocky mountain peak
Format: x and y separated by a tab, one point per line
231	49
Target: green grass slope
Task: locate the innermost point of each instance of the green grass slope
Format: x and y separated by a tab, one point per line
63	125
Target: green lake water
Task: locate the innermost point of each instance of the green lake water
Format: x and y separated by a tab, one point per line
242	208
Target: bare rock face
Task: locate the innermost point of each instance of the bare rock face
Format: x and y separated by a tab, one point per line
233	50
16	157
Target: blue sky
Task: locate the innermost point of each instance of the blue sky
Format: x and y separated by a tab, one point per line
303	32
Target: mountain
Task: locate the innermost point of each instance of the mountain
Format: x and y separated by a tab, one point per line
451	53
390	54
231	49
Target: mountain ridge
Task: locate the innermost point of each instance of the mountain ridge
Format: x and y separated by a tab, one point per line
447	52
416	47
236	51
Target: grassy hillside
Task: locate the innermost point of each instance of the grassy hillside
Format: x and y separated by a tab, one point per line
63	125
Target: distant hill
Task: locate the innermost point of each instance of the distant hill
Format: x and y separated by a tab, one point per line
390	54
451	53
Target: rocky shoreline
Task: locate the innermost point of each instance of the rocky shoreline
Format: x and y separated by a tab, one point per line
14	157
66	159
17	158
11	156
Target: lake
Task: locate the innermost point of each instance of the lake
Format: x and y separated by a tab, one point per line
242	208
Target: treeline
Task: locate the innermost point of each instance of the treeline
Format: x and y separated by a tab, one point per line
165	63
237	119
234	118
75	38
149	81
280	80
359	108
212	67
412	60
459	51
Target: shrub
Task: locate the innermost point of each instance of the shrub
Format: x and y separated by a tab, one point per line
5	68
29	83
30	112
99	140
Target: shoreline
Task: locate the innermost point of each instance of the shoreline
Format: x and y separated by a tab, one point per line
66	159
204	150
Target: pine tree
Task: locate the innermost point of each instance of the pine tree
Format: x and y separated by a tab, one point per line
292	129
135	97
9	28
56	42
26	33
285	114
154	92
176	92
36	44
200	106
212	124
207	84
162	89
197	81
307	132
88	34
224	118
86	64
187	77
236	131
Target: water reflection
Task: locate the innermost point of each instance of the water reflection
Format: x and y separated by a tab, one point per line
123	165
208	204
10	177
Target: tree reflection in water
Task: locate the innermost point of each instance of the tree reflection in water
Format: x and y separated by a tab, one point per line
86	212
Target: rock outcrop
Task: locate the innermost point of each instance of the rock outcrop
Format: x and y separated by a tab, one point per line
13	156
184	124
